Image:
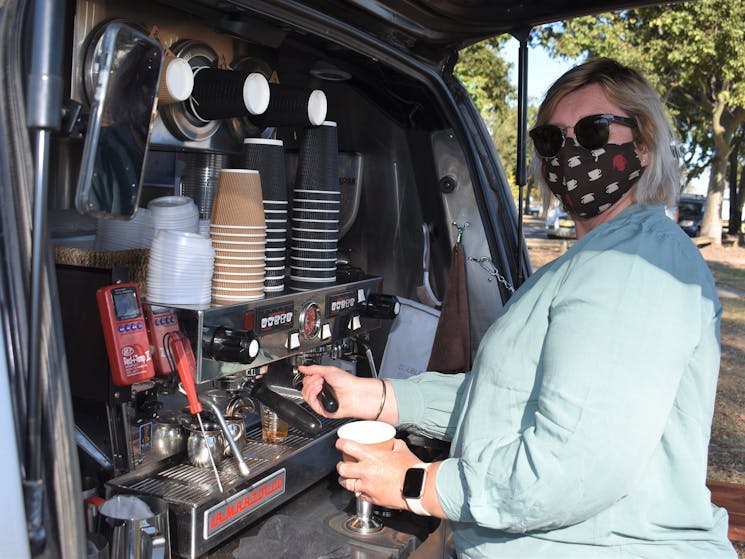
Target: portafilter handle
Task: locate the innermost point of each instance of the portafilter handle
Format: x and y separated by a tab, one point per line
327	395
286	409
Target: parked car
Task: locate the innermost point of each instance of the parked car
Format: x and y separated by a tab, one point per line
690	213
559	224
534	207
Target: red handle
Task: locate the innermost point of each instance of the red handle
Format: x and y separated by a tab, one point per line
186	367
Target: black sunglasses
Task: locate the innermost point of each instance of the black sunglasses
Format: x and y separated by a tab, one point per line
591	132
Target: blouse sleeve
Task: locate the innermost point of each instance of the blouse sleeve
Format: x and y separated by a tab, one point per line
427	402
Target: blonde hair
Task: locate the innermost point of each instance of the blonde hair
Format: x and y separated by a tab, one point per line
627	88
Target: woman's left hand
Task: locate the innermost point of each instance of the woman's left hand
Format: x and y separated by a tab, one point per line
378	475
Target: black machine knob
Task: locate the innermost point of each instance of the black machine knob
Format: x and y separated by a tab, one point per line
231	345
381	305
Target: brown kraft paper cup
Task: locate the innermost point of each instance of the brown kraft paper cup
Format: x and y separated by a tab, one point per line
374	434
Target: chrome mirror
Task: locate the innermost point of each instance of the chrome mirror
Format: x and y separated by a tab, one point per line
126	64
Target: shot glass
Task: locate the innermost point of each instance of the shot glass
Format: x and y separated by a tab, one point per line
273	428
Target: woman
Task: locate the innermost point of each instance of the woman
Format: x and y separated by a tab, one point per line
583	428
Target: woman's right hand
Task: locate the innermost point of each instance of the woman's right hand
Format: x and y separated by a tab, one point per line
354	394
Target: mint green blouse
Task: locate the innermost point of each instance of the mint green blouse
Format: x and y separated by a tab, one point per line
583	428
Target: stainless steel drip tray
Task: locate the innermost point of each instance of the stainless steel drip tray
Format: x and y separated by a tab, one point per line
201	517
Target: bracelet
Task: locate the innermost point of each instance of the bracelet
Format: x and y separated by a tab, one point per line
382	401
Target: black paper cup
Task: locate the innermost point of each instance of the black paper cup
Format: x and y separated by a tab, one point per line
314	234
313	263
306	205
315	195
302	244
313	273
276	243
275	213
313	254
324	214
220	94
314	225
318	159
303	284
293	106
268	157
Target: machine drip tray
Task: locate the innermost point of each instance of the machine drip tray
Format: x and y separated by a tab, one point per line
202	518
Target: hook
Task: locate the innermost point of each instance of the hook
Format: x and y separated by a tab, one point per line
488	266
460	228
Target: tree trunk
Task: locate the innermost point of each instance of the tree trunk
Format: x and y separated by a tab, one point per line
711	224
734	192
739	206
528	194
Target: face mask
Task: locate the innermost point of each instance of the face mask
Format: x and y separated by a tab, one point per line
588	182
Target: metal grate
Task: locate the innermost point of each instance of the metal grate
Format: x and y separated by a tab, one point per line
188	485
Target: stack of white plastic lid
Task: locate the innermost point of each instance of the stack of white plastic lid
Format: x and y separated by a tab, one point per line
180	268
175	213
238	232
117	234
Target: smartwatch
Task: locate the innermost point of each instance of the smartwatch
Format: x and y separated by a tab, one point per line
413	489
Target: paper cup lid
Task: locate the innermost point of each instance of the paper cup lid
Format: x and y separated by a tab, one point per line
256	93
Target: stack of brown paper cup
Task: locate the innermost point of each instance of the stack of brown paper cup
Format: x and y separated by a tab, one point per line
238	232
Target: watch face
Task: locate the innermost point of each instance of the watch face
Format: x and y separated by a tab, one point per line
413	483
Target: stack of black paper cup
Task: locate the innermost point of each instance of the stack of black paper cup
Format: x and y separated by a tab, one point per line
315	210
268	157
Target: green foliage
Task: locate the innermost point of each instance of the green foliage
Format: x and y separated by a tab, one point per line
485	75
689	51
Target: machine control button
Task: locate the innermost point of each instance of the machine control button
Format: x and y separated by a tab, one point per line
121	328
355	323
325	331
361	296
293	340
139	325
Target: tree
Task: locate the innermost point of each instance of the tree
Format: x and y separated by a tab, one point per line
690	52
736	189
485	75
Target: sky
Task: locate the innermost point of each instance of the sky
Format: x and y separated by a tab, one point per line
542	69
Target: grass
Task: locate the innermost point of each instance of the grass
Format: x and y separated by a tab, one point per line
727	448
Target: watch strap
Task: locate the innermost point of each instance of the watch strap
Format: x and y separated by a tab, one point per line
415	504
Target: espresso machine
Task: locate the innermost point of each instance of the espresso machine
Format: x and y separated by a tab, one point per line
245	354
329	326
